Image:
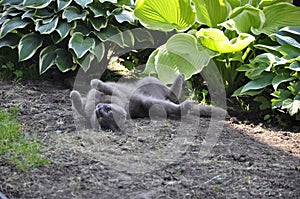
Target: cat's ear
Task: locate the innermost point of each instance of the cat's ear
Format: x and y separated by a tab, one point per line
176	88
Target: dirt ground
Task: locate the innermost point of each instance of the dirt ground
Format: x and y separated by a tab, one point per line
190	158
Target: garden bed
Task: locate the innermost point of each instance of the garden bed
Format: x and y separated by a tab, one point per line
151	159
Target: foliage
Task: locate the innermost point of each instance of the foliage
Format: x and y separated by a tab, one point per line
64	33
21	152
230	47
274	75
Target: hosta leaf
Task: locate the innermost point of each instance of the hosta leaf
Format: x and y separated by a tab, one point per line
125	16
99	22
98	50
215	39
11	2
280	78
85	61
278	16
83	3
37	4
11	40
293	106
111	33
61	4
28	45
47	26
259	83
28	14
264	3
12	24
287	40
165	15
44	13
47	58
243	19
72	13
63	60
81	45
97	9
291	29
181	54
295	66
80	26
111	1
211	12
63	30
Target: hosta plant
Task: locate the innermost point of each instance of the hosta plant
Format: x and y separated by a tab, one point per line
275	75
64	33
222	30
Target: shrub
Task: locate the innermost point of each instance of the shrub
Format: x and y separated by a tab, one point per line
274	75
64	33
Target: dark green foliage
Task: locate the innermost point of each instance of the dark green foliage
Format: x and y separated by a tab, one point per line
63	33
274	78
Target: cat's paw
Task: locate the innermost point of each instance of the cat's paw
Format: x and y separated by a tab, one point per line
96	84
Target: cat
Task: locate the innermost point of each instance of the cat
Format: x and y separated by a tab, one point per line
108	104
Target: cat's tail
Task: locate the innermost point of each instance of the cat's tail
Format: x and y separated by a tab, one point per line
77	103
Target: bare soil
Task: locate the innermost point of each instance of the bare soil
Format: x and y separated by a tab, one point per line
151	159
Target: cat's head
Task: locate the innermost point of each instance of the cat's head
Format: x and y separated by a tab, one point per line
110	116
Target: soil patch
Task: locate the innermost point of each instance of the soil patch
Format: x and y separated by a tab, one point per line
191	158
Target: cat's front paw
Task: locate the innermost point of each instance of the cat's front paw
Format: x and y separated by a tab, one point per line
96	84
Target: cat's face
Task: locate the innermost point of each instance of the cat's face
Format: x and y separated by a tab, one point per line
110	116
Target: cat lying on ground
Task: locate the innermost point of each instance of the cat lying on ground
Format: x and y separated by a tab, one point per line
109	104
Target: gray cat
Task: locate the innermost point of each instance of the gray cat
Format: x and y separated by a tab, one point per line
108	104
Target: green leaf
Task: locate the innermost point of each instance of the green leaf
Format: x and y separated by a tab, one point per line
211	12
111	33
181	54
37	4
215	39
44	13
63	30
72	13
98	50
280	78
47	26
287	40
243	19
83	3
81	45
291	29
12	24
165	15
62	4
85	61
278	16
47	58
99	22
111	1
97	9
28	45
11	2
295	66
11	40
259	83
293	106
125	16
63	60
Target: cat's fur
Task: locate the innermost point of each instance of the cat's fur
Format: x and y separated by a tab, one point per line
108	104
